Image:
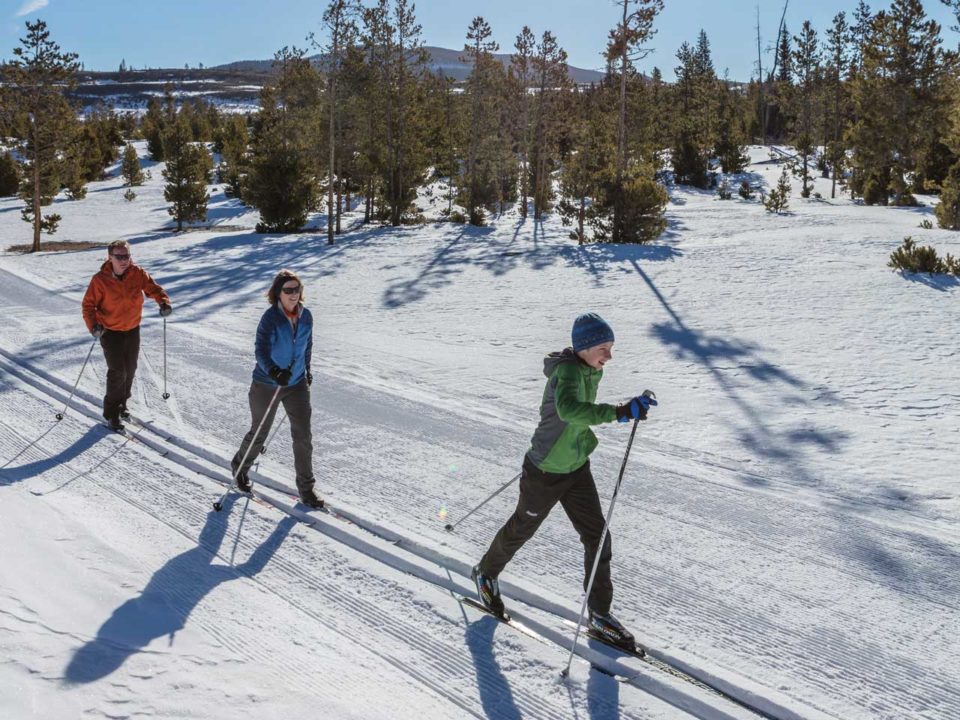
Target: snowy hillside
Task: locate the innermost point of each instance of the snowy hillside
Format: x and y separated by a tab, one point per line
788	531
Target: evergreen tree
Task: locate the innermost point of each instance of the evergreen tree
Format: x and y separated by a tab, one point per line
730	150
898	90
339	19
282	179
233	140
130	167
778	199
948	209
521	69
623	49
153	128
552	78
482	87
187	172
695	114
9	175
806	66
37	78
838	64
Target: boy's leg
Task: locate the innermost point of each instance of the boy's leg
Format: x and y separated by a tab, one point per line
296	401
112	344
260	396
538	495
582	505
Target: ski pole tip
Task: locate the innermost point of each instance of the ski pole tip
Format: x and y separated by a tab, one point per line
59	416
448	527
166	396
217	506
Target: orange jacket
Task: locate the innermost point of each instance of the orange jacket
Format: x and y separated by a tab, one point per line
116	303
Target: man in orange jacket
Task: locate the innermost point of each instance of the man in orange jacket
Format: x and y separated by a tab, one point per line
112	308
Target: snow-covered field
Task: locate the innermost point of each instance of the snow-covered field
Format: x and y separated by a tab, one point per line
788	529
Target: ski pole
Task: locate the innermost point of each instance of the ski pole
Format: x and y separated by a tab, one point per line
449	527
166	395
603	538
64	411
218	505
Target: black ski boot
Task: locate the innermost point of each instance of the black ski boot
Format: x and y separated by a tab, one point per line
311	499
488	590
242	480
114	424
606	627
124	413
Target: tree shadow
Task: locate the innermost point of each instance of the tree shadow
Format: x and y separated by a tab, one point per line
19	473
495	693
942	283
164	605
762	439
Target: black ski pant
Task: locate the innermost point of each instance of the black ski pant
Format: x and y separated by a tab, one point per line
296	402
577	494
121	348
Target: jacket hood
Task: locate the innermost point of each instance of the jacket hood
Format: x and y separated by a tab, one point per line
551	361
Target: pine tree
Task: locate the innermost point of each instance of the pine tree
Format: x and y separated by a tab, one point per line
339	19
729	149
187	172
552	79
521	69
696	113
130	167
948	209
838	64
898	90
778	199
9	175
154	127
37	78
806	67
482	87
623	48
281	182
233	140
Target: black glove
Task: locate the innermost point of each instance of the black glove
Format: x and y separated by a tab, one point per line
97	330
165	309
309	378
636	409
281	376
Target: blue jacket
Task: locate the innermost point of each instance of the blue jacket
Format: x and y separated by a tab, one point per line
277	346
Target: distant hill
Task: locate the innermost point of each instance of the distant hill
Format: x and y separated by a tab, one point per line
442	60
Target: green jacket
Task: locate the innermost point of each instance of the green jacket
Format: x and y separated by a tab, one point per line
563	440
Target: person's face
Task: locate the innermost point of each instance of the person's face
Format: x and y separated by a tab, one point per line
598	355
290	294
120	259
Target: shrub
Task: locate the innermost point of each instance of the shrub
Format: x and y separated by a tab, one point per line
779	198
745	191
129	195
911	257
723	191
926	225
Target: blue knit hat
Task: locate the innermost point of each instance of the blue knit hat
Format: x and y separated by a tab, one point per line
588	330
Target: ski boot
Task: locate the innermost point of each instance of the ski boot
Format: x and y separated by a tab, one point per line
605	627
242	480
311	499
488	590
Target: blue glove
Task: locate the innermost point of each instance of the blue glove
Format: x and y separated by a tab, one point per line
637	408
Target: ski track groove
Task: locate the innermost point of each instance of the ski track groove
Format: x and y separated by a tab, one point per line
641	582
445	662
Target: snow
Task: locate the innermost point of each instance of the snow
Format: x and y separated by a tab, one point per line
787	528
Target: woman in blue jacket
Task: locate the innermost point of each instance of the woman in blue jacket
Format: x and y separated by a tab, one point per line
282	375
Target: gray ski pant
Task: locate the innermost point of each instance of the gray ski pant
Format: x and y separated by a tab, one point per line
296	401
577	494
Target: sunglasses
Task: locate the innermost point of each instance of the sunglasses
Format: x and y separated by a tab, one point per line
290	290
121	258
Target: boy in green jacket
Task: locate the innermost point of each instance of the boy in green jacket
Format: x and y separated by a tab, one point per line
557	469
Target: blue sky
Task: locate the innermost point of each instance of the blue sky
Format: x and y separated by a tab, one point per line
169	33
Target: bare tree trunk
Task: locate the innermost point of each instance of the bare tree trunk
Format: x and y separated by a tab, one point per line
621	134
580	216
